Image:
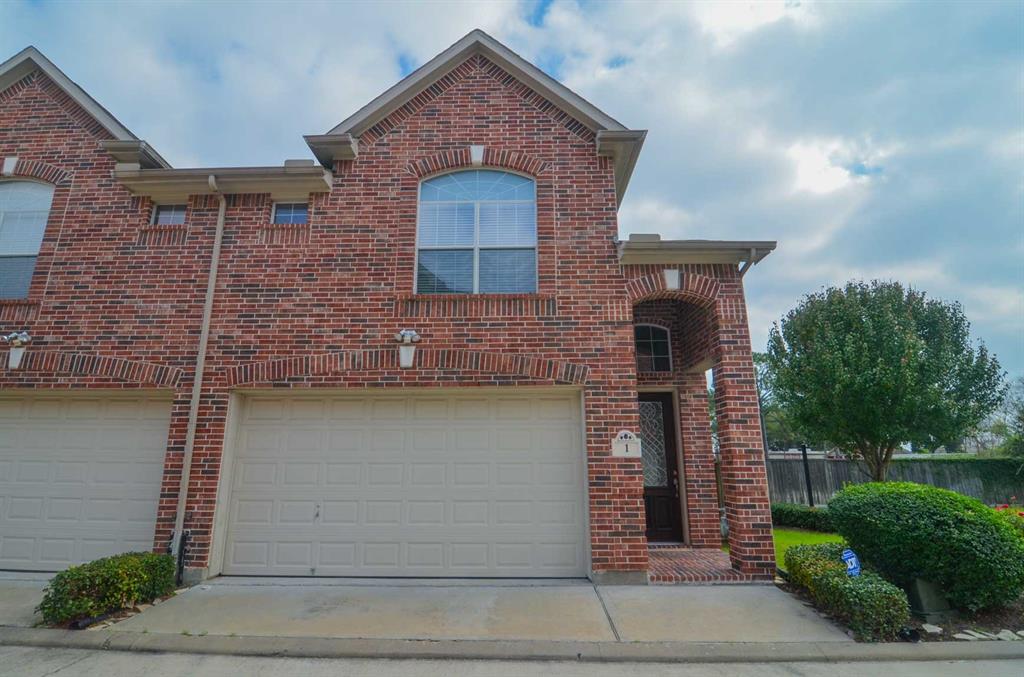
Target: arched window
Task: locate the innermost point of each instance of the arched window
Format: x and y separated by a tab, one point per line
24	208
477	234
653	351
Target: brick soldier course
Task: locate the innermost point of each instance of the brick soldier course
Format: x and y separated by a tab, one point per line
117	303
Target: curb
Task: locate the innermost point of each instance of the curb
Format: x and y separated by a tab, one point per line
665	652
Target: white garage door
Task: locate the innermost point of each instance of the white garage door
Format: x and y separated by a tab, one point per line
467	484
79	477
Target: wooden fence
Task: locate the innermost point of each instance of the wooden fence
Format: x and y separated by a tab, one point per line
992	480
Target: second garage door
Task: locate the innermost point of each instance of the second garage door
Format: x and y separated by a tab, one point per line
466	484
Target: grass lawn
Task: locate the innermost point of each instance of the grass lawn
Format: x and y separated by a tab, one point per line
787	538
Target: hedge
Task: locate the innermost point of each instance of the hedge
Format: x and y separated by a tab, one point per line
106	585
801	517
909	531
873	608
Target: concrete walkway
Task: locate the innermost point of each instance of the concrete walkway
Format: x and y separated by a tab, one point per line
566	611
20	592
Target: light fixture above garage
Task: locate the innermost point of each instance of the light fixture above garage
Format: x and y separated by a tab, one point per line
18	342
406	350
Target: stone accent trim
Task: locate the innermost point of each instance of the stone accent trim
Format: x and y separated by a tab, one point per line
83	364
281	370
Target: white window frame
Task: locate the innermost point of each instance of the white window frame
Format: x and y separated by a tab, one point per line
475	248
668	336
156	208
273	212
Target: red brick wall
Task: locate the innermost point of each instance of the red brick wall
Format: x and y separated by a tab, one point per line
318	306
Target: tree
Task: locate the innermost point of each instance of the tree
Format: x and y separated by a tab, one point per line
873	365
1013	443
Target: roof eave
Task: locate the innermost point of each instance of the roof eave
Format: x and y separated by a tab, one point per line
281	183
653	250
329	148
623	146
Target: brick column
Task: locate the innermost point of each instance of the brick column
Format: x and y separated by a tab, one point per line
698	463
744	480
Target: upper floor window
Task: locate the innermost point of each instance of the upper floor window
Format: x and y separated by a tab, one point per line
291	212
652	348
477	234
24	209
169	215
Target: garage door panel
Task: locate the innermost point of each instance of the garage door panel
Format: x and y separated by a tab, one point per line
79	477
464	485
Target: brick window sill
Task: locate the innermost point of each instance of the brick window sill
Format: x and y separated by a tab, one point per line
477	305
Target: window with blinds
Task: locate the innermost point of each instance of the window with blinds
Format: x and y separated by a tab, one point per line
24	210
477	234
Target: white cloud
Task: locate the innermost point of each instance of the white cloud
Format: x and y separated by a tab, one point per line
836	128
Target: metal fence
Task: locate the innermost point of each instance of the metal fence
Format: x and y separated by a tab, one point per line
992	481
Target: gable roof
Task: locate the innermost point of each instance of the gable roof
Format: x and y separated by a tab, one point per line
613	138
476	42
31	59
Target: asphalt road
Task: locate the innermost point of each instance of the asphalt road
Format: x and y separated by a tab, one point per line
41	662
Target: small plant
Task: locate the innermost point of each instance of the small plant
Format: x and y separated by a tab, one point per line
801	517
873	608
106	585
1012	514
908	531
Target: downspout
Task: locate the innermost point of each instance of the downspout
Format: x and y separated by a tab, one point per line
197	381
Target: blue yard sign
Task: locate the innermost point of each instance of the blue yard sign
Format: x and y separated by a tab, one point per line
852	562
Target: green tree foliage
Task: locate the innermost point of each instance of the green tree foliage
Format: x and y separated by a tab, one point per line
874	365
1013	421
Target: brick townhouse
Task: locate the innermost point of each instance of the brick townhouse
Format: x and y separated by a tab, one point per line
424	353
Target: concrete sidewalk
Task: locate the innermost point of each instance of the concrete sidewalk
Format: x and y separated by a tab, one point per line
496	620
569	611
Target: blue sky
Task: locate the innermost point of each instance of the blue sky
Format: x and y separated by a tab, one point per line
872	140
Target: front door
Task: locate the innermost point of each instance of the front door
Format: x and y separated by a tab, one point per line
661	473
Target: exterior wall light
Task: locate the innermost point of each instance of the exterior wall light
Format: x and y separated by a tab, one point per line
18	342
406	348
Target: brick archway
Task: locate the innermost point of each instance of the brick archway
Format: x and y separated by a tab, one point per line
41	171
700	290
460	159
85	365
524	366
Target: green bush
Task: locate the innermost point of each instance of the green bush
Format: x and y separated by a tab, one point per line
909	531
801	517
872	607
106	585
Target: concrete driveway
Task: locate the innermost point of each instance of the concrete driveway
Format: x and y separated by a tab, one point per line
20	592
564	610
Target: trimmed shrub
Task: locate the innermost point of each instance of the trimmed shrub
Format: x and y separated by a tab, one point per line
801	517
872	607
106	585
908	531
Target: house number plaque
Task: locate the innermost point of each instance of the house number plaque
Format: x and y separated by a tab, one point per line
626	445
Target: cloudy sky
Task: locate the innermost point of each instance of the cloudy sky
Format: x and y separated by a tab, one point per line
871	139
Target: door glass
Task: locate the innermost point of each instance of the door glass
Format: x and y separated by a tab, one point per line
652	444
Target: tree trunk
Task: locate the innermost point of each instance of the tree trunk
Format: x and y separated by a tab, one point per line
877	460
